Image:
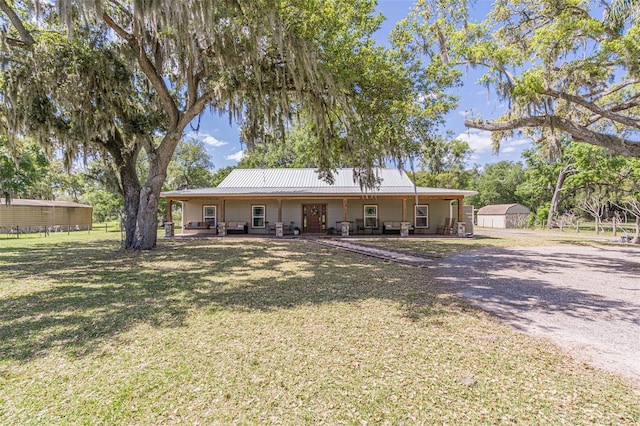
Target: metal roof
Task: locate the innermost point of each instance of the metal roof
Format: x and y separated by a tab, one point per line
307	178
44	203
306	182
497	209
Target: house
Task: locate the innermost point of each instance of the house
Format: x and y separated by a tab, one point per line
505	216
279	201
22	215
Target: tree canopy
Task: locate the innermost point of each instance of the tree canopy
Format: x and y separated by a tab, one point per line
562	68
121	78
22	168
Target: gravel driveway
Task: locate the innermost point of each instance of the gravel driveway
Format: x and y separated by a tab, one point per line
584	298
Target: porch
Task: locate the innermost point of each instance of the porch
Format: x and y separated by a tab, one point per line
344	216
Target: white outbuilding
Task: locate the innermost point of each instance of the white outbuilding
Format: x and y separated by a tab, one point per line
505	216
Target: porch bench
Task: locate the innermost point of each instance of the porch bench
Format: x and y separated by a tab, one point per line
235	227
198	225
393	227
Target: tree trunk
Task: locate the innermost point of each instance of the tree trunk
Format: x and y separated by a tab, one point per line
636	239
556	193
146	234
126	159
131	192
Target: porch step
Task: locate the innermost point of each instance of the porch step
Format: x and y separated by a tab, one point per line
406	258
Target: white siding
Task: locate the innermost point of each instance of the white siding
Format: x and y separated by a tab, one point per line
492	221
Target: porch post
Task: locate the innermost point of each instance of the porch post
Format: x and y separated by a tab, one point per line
169	208
461	224
404	209
279	209
344	225
344	229
344	209
404	229
222	206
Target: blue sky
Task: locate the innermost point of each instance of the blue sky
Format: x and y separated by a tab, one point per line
223	142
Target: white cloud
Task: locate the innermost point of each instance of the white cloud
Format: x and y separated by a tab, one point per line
479	140
207	139
518	142
210	140
236	156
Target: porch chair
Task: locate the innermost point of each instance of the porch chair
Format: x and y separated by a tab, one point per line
452	227
443	229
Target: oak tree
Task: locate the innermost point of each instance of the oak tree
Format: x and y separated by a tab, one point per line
562	68
125	78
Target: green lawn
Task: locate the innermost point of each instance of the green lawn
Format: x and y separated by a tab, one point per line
262	331
439	246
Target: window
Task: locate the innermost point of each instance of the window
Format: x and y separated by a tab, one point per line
371	216
258	216
422	216
209	215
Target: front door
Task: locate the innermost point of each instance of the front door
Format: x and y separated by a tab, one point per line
314	218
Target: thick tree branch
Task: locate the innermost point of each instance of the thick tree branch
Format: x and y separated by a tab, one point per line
198	105
25	35
617	144
156	80
618	87
16	42
622	119
192	84
171	139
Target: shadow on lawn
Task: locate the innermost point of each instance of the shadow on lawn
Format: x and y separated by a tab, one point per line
91	293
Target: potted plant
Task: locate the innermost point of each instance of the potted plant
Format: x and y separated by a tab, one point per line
296	231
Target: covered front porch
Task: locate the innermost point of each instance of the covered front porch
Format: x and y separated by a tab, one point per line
342	216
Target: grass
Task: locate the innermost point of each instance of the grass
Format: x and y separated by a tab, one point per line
441	246
262	331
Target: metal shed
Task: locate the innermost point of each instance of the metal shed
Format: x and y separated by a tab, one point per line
40	215
505	216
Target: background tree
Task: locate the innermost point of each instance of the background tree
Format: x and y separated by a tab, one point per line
595	206
221	174
190	167
22	169
294	149
496	184
546	173
443	163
